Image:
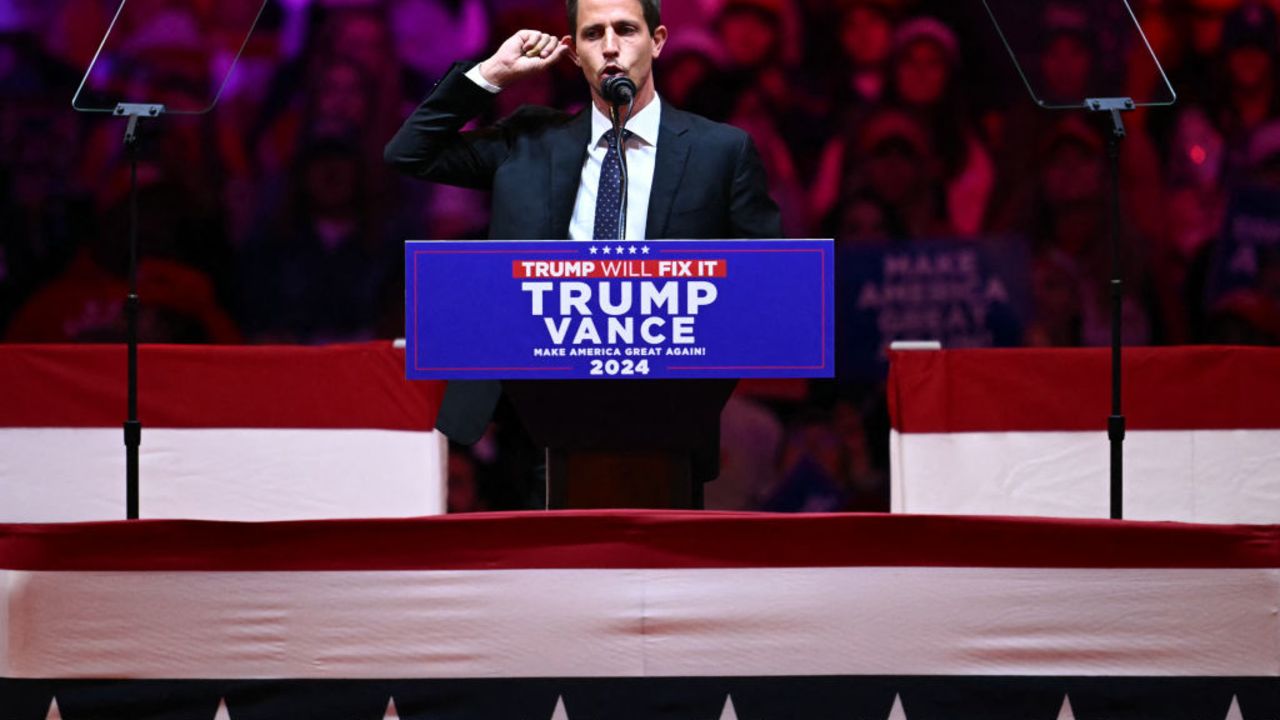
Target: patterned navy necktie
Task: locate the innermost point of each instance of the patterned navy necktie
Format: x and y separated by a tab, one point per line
609	192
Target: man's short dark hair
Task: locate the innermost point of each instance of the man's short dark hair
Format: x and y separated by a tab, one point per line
652	14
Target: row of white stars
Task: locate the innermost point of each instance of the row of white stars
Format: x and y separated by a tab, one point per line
619	250
728	713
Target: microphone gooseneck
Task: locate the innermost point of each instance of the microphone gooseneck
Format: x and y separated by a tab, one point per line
620	91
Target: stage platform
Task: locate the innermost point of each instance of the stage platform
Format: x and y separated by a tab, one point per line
641	615
1023	432
258	433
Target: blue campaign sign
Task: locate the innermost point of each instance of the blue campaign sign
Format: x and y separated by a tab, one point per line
661	309
1250	242
964	293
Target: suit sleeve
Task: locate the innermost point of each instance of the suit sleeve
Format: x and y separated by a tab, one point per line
430	145
752	212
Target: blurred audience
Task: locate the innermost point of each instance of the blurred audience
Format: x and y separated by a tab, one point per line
85	301
924	77
312	272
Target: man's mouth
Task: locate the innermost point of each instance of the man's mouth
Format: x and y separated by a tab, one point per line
611	71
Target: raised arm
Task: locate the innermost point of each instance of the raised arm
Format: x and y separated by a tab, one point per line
431	145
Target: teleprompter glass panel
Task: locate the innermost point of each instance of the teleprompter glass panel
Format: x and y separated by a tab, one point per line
178	53
1069	51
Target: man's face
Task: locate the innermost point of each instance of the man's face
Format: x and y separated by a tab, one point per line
750	38
613	39
923	73
867	36
342	102
364	39
1073	175
1067	64
1249	67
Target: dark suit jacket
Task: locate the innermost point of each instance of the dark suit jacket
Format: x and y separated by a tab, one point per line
708	183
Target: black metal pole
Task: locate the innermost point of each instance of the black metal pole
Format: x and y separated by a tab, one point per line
132	426
1116	422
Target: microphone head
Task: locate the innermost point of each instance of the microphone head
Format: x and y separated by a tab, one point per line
618	90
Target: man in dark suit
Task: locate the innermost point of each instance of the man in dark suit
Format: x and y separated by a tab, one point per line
554	176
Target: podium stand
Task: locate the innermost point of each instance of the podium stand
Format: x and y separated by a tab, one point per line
623	443
618	358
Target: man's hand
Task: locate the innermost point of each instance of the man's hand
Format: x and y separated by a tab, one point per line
524	53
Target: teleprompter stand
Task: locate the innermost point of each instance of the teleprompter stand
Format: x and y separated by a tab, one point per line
132	425
624	443
1113	108
1025	27
124	81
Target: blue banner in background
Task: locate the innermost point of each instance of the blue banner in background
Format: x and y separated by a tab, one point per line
660	309
964	293
1250	243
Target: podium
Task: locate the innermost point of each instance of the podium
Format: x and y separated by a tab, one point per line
619	357
625	443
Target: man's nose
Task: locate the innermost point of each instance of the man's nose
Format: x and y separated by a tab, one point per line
610	43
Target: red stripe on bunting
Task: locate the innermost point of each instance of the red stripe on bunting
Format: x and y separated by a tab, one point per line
343	386
1186	388
635	539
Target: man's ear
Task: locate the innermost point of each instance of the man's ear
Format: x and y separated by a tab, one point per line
659	39
573	49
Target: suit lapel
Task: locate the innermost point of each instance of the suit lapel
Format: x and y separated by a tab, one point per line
568	153
673	152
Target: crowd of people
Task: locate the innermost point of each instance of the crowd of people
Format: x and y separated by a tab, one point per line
272	219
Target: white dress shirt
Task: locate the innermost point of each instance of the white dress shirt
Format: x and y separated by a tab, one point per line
641	155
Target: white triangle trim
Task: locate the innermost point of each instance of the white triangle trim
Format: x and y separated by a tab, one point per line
729	712
897	712
560	713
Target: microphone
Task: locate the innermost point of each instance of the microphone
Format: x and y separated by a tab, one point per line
618	90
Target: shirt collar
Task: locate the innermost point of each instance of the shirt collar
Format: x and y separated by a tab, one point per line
644	124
